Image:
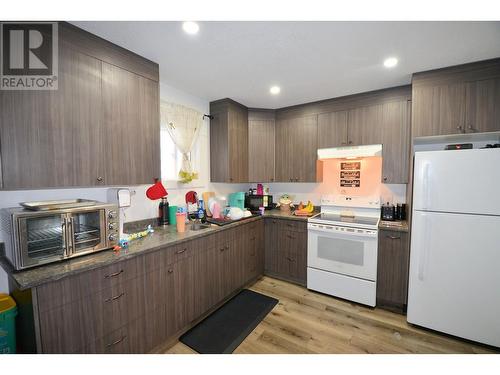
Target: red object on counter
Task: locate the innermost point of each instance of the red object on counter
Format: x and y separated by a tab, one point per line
156	191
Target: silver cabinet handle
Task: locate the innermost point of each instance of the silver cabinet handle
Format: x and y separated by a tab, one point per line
113	274
116	342
99	179
115	297
470	127
181	251
170	270
393	237
290	259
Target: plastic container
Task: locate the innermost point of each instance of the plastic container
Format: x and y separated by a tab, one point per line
237	200
8	313
172	210
181	222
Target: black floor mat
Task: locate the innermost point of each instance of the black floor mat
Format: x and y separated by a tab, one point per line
225	329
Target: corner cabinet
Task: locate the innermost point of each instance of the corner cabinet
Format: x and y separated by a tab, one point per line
296	149
101	127
228	141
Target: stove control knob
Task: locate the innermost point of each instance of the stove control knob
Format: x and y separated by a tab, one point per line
112	214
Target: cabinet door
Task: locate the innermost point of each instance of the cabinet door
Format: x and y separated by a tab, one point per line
284	169
392	269
260	150
296	149
365	125
438	110
131	127
332	129
184	304
51	138
395	142
271	231
483	106
238	144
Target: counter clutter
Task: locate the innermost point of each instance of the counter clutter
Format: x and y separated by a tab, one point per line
162	236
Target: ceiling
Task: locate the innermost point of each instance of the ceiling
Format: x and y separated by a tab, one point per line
309	60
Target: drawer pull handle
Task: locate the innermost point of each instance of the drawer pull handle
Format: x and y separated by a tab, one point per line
113	274
181	251
393	237
115	297
290	259
221	249
116	342
170	270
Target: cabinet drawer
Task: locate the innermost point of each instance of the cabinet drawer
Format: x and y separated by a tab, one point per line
68	328
293	225
74	288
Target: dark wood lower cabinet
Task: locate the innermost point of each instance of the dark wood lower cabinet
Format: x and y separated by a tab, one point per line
392	270
136	305
286	250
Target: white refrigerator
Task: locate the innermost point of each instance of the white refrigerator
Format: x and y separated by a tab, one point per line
454	284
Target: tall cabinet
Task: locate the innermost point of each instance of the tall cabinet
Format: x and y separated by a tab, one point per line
100	127
228	141
261	145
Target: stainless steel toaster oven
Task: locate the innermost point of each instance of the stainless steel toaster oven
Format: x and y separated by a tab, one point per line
35	237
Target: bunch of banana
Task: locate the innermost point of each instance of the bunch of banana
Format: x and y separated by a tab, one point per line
305	211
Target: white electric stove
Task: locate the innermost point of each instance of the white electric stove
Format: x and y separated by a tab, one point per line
342	248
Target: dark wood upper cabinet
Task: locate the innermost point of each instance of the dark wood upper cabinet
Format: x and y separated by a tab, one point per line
261	143
100	127
456	100
130	127
365	125
438	110
483	106
332	129
296	149
396	119
228	141
51	138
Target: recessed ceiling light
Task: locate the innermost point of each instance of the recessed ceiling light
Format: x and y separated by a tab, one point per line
275	90
390	62
190	27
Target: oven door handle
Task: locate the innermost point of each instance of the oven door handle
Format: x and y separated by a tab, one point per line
343	234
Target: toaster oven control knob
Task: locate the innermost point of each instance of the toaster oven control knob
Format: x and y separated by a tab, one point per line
112	226
112	214
112	237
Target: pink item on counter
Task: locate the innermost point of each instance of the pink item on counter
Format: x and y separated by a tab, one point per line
216	210
260	189
181	222
262	210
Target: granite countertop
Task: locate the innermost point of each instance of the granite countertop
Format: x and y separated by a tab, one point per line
162	237
400	226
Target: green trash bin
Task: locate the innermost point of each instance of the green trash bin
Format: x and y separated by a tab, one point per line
8	313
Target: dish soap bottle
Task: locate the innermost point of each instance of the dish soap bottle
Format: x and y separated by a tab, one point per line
201	211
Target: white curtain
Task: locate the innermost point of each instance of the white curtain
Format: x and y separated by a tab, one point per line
184	125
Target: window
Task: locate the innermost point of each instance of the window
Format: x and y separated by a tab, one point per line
171	157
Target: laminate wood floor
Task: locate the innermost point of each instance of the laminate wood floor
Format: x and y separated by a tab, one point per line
308	322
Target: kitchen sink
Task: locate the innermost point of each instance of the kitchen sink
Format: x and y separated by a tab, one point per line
198	226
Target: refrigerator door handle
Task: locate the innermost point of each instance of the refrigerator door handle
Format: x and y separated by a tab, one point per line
423	250
425	185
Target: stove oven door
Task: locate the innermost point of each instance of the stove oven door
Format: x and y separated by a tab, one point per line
343	250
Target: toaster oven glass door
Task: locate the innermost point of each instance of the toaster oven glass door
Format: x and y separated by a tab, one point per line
87	231
42	239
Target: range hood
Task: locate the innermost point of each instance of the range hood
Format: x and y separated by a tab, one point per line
349	152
